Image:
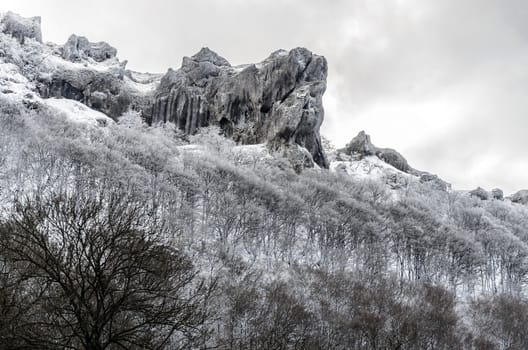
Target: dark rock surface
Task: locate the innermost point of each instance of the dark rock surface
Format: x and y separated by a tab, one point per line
393	158
360	144
102	91
278	101
21	28
78	48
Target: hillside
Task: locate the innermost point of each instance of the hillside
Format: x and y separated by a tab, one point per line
199	209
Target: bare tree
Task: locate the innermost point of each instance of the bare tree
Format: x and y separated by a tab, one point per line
109	279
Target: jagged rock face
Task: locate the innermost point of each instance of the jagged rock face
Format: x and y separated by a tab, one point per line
520	197
21	28
102	91
78	48
362	146
278	101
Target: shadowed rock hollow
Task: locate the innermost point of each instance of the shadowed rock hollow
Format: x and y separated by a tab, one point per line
278	101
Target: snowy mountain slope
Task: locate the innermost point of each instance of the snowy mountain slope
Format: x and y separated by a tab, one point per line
368	254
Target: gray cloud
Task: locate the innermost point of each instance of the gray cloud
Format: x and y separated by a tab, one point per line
441	81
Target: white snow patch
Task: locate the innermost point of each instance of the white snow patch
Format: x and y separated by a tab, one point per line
370	167
13	85
77	112
56	62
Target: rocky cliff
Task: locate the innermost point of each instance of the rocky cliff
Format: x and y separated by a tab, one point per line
278	101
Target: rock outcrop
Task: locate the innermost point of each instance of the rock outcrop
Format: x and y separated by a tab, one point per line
480	193
520	197
361	146
78	48
103	91
278	101
432	180
497	194
20	27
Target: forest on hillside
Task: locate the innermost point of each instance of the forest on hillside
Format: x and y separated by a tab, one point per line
135	237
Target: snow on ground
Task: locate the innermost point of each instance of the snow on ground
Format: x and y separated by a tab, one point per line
370	167
13	85
78	112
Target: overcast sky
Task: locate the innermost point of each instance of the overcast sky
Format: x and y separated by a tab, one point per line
443	82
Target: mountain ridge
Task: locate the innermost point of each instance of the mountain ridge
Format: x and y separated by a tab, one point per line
240	98
187	239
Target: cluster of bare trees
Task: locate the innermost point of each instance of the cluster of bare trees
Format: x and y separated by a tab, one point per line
81	272
99	228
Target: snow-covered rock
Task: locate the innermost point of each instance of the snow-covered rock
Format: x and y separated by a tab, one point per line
520	197
361	153
362	146
480	193
13	85
277	101
497	194
78	48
